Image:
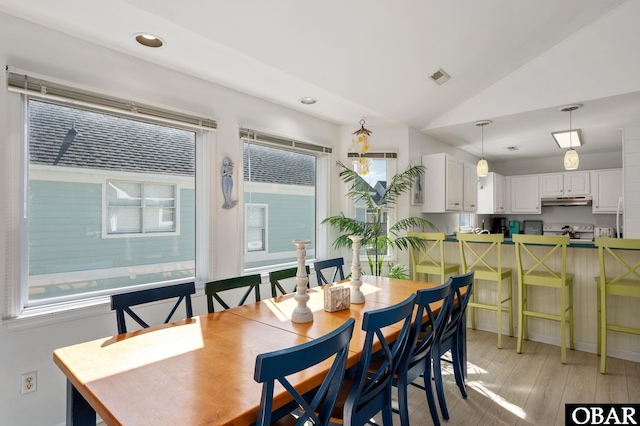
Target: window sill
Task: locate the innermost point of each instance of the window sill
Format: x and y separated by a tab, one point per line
56	314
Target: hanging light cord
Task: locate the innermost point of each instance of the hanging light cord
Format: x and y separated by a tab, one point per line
482	133
570	129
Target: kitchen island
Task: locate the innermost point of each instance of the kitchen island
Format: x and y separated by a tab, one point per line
583	263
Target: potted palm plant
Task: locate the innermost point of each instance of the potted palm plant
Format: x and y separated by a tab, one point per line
376	240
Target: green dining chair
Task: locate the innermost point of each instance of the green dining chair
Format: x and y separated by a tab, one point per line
619	276
213	289
536	256
429	259
283	274
483	253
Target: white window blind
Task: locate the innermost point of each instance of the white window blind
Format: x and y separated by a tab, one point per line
45	88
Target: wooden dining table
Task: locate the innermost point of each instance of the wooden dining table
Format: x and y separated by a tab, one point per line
199	371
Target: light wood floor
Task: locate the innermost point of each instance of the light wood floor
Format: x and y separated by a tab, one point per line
532	388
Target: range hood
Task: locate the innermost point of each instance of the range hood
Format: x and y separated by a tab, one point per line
566	201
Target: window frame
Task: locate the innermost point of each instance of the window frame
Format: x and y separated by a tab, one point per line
392	165
322	196
19	312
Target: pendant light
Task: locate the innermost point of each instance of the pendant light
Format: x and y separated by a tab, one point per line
360	143
483	167
571	160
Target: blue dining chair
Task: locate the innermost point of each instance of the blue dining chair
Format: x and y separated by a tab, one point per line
336	264
123	302
416	360
213	289
453	338
315	406
369	392
276	276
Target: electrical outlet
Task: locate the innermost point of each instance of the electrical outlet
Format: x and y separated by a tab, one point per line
29	382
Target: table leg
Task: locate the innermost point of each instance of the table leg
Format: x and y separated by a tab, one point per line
79	412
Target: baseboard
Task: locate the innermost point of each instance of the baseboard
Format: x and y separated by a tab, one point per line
581	346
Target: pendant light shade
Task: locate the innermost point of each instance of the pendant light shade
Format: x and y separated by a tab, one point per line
482	169
571	160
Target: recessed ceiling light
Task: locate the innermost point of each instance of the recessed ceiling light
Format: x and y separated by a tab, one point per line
148	40
307	100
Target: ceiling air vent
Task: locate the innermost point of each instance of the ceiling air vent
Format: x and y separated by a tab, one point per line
440	77
512	148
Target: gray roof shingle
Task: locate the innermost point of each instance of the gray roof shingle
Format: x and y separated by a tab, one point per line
72	137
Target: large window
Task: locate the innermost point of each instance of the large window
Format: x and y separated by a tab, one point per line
280	204
111	202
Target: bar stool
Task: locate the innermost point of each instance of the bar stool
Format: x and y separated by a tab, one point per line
612	249
539	250
474	258
429	259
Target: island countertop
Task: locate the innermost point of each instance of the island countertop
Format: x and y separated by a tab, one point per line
507	240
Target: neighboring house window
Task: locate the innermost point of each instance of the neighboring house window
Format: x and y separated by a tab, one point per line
280	204
94	176
256	219
140	208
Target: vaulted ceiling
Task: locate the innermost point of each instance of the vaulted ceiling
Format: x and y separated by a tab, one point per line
515	62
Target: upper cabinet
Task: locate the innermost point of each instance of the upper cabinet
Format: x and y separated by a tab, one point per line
470	189
491	194
525	194
569	184
444	187
607	189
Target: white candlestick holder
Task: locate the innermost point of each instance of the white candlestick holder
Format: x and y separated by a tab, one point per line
301	313
356	271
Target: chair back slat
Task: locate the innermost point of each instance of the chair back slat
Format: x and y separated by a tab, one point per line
213	289
473	259
549	245
123	302
276	276
613	248
432	250
277	366
336	265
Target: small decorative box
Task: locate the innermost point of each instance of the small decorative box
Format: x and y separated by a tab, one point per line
336	298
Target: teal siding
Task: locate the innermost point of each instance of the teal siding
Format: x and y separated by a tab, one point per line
291	217
65	235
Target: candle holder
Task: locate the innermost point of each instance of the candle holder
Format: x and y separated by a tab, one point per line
356	271
301	313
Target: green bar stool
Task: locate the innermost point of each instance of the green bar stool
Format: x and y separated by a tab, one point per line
474	256
537	252
429	259
625	284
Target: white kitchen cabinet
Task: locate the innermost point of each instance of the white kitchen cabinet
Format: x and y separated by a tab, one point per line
569	184
607	189
491	197
470	188
443	184
525	194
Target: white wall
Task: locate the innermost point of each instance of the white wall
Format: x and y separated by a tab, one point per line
28	346
606	160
